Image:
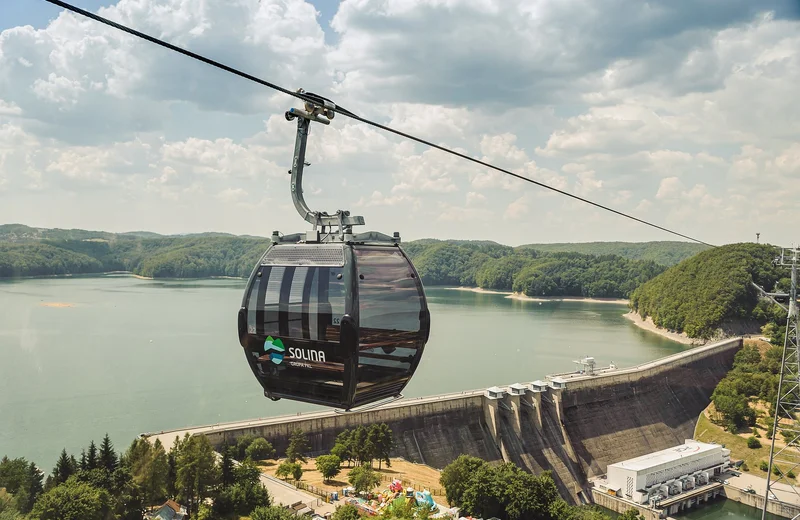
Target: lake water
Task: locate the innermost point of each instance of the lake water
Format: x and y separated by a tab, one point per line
131	356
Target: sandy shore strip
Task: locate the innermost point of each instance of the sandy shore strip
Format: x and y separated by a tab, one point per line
650	326
522	297
477	290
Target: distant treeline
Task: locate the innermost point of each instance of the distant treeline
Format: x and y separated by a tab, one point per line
26	251
193	257
527	271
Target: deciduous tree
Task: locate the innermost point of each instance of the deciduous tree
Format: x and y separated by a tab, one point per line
329	466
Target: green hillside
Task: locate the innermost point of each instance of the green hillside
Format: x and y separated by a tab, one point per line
664	253
711	290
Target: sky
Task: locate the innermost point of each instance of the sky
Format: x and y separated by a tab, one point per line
684	113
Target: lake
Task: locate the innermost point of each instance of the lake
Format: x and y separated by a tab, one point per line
124	355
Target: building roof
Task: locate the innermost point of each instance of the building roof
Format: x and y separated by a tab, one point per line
689	449
173	505
169	510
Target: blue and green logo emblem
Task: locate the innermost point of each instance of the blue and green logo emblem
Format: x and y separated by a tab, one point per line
275	348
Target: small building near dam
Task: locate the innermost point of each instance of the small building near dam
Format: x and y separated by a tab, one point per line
661	475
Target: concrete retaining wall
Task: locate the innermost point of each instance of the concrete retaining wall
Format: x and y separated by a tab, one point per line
783	509
615	504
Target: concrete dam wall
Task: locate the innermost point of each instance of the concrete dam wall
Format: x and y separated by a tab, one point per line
573	424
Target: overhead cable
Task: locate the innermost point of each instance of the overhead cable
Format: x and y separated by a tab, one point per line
339	110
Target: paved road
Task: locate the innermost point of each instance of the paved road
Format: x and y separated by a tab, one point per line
285	494
782	491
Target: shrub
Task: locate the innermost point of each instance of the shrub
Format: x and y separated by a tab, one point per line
763	466
753	443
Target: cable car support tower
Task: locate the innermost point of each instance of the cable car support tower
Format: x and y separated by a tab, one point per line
785	424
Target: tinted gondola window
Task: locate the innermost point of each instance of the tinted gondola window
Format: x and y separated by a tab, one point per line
389	296
297	302
390	301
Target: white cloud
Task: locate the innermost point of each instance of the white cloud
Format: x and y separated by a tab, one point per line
517	209
231	195
669	188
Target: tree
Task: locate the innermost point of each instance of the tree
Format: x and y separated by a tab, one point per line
83	464
65	468
297	471
247	473
226	467
72	500
502	490
260	449
13	473
284	469
346	512
631	514
382	442
753	443
91	456
273	513
149	469
363	478
455	477
108	457
298	446
329	466
344	447
242	444
172	464
30	490
364	449
197	472
245	495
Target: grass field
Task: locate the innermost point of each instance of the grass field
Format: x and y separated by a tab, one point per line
708	431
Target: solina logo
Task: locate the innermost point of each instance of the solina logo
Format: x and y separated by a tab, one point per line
275	348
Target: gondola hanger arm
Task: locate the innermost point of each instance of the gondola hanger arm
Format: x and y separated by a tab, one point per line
321	110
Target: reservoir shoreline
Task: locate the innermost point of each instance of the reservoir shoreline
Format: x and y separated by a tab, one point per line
522	297
648	325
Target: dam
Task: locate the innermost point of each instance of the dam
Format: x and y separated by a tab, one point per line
573	424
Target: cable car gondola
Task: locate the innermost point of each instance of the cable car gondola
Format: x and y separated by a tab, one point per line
328	316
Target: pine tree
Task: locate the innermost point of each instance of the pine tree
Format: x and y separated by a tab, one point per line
65	467
108	457
83	464
298	446
91	457
226	468
34	488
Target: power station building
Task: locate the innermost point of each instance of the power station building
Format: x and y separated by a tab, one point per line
664	473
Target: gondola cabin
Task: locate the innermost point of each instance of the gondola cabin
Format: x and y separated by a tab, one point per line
335	324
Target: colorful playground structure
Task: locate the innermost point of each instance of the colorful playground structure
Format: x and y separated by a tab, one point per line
394	496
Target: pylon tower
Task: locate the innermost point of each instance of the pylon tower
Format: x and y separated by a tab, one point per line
786	428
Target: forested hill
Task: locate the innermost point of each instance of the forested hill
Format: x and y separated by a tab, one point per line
664	253
713	290
492	266
26	251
